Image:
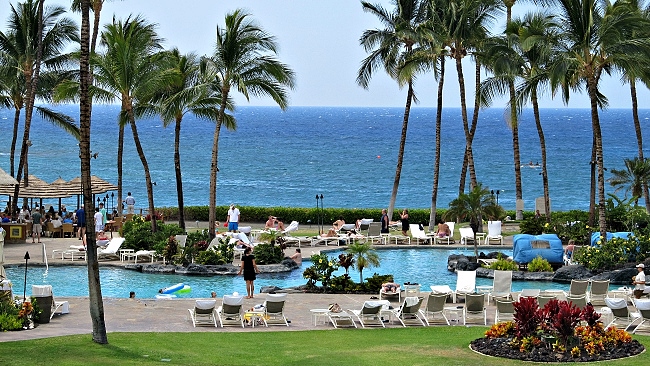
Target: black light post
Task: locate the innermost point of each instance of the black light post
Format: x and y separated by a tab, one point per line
498	192
322	215
112	204
25	285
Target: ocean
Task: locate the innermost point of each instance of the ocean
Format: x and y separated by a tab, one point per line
347	154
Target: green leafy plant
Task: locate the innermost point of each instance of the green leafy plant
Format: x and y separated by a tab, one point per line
320	271
503	264
222	253
539	264
268	254
364	255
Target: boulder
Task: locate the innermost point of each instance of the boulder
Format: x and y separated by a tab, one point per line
573	272
269	289
618	277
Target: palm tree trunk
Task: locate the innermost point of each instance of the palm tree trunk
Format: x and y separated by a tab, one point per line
400	154
214	167
595	122
96	303
468	158
145	167
463	109
14	138
639	137
97	10
30	95
436	163
542	145
177	169
592	184
120	153
514	121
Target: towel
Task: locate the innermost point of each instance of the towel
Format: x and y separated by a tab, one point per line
616	303
642	304
442	289
410	301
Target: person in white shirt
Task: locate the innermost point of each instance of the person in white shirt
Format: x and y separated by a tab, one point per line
99	221
130	203
639	281
233	218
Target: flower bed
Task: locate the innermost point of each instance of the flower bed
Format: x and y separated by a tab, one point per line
558	332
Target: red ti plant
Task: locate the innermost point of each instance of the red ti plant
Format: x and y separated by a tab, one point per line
590	315
527	318
566	320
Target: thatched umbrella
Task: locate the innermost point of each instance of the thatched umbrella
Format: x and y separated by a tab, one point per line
6	179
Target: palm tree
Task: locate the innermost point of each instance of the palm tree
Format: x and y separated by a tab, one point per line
188	94
633	178
594	39
522	55
390	48
94	285
130	71
365	256
473	207
468	28
37	37
244	60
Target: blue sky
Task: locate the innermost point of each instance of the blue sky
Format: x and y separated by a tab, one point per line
320	41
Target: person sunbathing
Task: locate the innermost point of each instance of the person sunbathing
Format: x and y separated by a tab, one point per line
443	230
338	224
390	287
274	223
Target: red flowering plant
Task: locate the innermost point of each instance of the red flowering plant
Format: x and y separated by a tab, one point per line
527	317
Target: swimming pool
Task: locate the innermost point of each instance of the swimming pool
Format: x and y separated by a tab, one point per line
426	266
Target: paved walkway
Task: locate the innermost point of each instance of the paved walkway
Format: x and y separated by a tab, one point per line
148	315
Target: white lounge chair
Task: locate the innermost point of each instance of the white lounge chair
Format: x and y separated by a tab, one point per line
577	288
111	250
374	233
621	315
181	239
369	314
409	311
274	310
47	303
505	310
465	283
151	254
204	313
467	234
392	294
474	305
435	306
419	235
293	226
529	292
230	311
341	319
494	232
502	285
643	306
598	292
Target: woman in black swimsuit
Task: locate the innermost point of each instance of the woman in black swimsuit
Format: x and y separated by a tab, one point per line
405	221
249	268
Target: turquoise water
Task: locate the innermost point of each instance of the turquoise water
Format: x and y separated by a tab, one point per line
425	266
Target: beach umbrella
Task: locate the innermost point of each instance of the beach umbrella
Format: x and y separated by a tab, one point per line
6	179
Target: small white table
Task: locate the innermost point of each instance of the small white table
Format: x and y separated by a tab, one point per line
457	311
319	316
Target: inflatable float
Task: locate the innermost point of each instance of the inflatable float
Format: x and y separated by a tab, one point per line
180	288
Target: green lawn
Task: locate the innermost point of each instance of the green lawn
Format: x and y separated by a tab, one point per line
395	346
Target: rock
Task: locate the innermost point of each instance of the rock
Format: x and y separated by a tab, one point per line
269	289
617	277
157	268
574	272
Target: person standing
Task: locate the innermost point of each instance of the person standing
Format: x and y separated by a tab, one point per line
233	218
405	221
384	222
130	203
639	281
81	223
102	210
250	270
99	221
37	220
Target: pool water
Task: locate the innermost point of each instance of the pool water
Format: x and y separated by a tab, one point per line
426	266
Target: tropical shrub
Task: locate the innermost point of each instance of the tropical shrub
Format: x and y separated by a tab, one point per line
138	236
222	253
539	264
533	225
320	271
268	254
527	318
613	253
503	264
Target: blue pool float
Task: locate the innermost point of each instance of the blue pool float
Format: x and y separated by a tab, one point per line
172	289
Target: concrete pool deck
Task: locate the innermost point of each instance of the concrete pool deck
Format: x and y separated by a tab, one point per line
151	315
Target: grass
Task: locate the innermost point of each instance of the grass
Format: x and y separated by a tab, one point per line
412	346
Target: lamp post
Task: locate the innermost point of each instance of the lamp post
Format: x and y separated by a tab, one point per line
321	214
498	192
112	204
25	285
